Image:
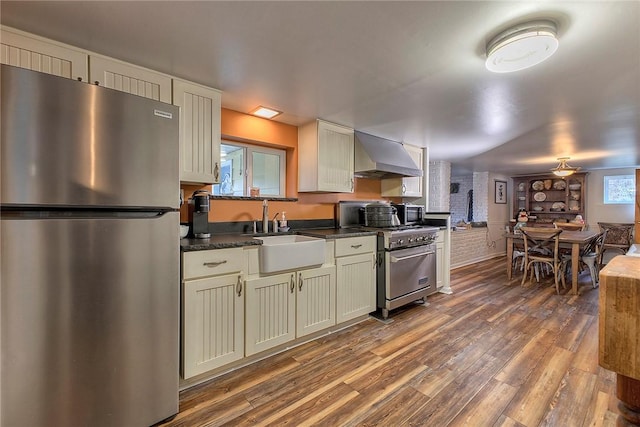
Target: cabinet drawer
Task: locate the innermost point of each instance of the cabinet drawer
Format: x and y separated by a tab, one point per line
355	245
211	263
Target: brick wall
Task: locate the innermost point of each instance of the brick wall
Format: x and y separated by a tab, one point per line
477	244
459	201
480	196
439	179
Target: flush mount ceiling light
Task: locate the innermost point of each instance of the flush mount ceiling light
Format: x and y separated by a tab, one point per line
522	46
563	169
265	112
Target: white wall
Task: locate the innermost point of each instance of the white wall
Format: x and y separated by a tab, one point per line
597	211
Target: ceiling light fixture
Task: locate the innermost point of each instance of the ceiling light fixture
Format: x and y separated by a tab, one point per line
265	112
563	169
522	46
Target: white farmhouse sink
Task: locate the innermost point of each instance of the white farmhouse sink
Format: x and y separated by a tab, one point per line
290	252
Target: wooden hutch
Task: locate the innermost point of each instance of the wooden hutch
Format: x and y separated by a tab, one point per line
549	198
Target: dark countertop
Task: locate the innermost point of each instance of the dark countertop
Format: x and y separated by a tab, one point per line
217	241
223	241
337	233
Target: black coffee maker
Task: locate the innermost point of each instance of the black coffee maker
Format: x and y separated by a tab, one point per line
199	213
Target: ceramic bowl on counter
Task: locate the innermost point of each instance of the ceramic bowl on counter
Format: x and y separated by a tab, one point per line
184	230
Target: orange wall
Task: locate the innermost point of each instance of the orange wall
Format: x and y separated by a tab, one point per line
242	127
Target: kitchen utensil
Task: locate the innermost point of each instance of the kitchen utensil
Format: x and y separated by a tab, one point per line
379	214
184	230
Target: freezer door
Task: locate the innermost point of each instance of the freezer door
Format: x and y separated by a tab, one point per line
89	321
68	143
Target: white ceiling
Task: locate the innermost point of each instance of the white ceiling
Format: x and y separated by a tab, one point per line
407	71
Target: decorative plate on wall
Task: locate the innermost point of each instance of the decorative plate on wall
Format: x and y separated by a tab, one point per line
537	185
559	185
540	197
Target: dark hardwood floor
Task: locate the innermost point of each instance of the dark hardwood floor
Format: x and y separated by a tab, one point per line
492	354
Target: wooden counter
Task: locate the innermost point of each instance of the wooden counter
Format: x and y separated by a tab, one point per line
619	331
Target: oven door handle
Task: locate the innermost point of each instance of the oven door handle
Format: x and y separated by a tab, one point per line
396	259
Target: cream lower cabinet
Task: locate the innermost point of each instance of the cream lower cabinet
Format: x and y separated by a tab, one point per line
39	54
440	260
286	306
443	262
213	310
271	312
355	277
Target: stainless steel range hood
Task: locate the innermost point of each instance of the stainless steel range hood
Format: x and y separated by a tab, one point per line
377	157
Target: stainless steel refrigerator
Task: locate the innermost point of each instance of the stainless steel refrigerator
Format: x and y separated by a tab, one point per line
89	293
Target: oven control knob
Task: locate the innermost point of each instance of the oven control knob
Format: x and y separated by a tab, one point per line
400	241
419	238
411	239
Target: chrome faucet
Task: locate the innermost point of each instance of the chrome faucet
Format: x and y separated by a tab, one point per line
265	216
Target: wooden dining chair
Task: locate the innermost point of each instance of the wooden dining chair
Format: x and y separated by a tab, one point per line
590	256
541	248
619	236
570	226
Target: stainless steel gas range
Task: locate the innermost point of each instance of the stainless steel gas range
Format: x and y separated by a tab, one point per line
406	270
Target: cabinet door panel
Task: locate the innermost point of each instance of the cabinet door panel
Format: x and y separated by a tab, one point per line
356	286
335	158
130	78
199	132
271	304
24	51
316	309
213	323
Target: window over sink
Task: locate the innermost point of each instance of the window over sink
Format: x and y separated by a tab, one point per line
246	166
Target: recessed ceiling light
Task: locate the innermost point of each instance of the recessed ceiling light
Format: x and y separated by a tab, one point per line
264	112
522	46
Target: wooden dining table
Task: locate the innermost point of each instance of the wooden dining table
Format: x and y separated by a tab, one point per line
574	239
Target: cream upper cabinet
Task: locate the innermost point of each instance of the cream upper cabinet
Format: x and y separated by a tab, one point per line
129	78
200	108
405	187
39	54
325	158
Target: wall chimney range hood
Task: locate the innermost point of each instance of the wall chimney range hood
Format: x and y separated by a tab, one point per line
379	158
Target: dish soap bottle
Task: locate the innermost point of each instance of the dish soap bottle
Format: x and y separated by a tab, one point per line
283	221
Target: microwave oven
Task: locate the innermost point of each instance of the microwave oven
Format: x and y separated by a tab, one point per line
409	214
